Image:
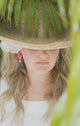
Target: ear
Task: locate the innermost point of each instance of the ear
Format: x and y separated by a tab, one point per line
20	55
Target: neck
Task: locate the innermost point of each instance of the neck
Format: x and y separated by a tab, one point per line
38	81
38	86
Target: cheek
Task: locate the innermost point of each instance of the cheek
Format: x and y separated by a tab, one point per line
28	60
28	56
53	57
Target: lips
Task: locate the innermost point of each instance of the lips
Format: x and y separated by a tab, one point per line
42	62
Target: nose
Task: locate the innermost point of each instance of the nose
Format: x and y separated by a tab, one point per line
43	54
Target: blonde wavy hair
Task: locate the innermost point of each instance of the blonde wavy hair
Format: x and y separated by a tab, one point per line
15	75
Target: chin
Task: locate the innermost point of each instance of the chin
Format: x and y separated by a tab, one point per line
43	71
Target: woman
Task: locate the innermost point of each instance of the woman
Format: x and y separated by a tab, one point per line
39	77
34	74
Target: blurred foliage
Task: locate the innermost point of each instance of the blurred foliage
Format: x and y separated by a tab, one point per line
0	57
67	111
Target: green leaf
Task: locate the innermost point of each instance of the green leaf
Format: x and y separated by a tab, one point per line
63	12
10	9
51	18
55	1
3	5
17	11
62	17
61	5
74	78
24	9
31	14
57	21
1	54
37	16
59	112
45	18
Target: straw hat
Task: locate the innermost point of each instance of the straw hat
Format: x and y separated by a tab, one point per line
34	26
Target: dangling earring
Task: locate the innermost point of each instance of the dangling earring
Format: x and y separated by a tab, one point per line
19	56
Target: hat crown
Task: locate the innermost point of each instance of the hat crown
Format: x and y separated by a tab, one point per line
39	21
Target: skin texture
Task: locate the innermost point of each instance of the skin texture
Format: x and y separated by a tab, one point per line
39	61
39	64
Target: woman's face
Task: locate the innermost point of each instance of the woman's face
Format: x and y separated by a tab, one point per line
40	61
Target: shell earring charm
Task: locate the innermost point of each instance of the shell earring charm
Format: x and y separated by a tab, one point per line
19	56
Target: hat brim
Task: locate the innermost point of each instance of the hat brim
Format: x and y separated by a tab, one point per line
15	46
15	41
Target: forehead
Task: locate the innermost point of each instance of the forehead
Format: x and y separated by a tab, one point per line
34	52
